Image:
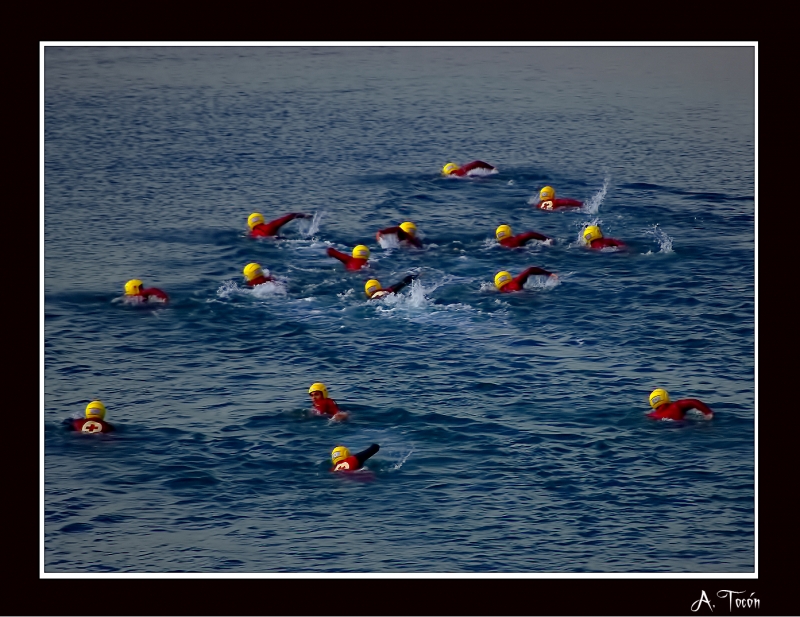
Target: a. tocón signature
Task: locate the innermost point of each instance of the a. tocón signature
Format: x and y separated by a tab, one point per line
733	599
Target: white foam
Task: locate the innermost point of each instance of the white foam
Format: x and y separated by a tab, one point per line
592	205
389	241
660	236
309	228
265	290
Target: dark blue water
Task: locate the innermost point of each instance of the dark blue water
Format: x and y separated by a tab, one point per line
512	428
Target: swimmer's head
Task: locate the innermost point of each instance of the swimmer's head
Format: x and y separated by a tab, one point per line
133	287
252	271
409	228
658	397
361	252
548	192
502	278
95	410
318	387
255	219
504	231
372	286
592	232
449	169
339	453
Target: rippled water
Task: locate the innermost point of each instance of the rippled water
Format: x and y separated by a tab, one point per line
512	428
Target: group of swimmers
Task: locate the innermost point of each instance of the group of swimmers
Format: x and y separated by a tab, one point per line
406	233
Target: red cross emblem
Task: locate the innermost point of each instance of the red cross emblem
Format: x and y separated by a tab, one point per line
91	427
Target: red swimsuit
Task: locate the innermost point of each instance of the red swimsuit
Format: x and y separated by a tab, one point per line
463	171
601	243
676	410
557	204
356	461
402	235
325	407
351	263
520	239
271	228
259	280
518	281
146	294
91	425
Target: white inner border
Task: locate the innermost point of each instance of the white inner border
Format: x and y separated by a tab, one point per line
511	575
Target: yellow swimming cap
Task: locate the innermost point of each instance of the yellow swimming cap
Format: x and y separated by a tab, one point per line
502	231
449	168
361	252
339	454
252	271
372	286
502	278
95	410
318	387
592	232
255	219
658	397
548	192
133	287
408	227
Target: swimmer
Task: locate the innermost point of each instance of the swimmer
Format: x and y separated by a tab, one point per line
133	289
595	240
374	290
324	406
548	201
505	237
451	169
356	262
260	229
94	421
344	461
405	232
505	283
664	409
255	275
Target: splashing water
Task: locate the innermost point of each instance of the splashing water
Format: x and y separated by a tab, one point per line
418	307
227	289
389	241
542	282
592	205
265	290
308	229
399	464
660	236
416	298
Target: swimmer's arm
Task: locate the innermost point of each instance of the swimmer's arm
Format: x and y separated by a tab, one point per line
403	235
332	252
476	165
398	286
155	292
278	223
523	276
365	454
693	403
532	235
